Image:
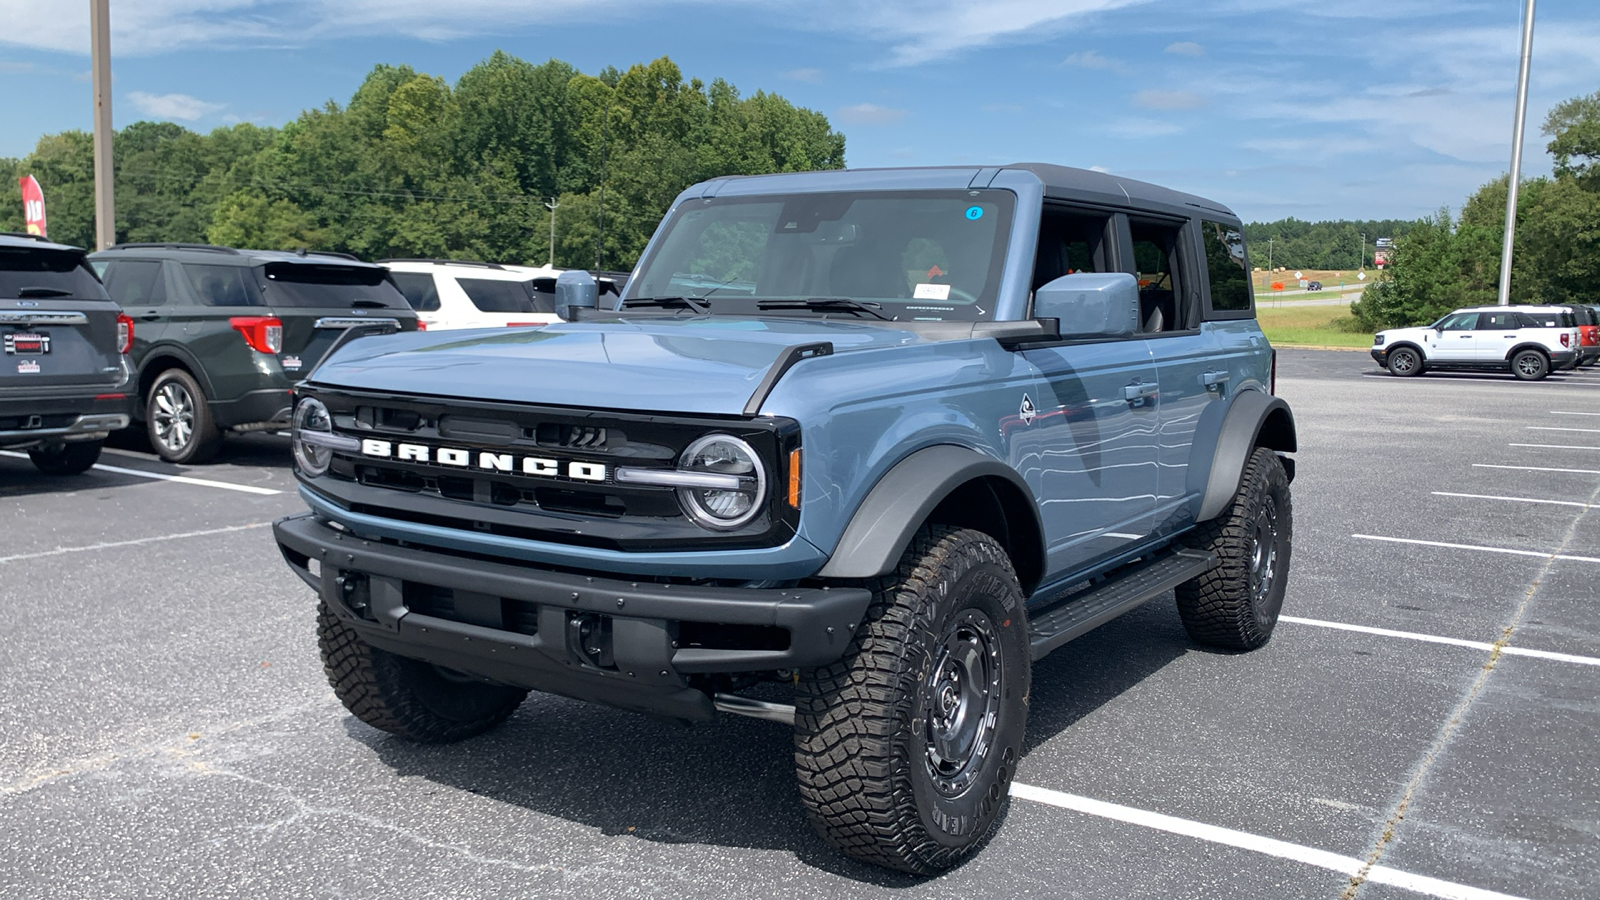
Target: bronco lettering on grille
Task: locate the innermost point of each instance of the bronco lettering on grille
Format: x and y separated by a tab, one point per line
484	461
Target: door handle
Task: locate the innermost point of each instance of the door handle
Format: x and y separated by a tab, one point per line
1139	390
1212	378
150	317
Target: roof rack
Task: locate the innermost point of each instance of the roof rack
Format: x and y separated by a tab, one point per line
334	253
173	245
446	262
23	234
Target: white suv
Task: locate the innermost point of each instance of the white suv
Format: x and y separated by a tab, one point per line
450	293
1529	341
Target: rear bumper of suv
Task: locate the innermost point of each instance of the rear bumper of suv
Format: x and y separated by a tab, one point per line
633	645
32	421
266	409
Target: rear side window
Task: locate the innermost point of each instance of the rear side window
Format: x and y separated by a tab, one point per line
1226	265
221	285
1163	287
418	289
1546	320
136	282
1497	321
41	273
493	296
314	285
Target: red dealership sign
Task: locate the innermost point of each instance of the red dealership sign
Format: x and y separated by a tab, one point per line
32	204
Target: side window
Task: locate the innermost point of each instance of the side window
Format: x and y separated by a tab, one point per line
493	296
418	289
1069	242
1158	264
1497	321
220	285
1226	266
1460	322
135	282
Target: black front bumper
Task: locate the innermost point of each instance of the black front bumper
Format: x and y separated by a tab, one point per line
594	638
30	421
1380	355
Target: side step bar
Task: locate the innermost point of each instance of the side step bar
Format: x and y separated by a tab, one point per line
1082	612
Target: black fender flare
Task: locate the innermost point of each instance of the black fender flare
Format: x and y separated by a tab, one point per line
902	500
1421	353
1530	345
163	357
1254	419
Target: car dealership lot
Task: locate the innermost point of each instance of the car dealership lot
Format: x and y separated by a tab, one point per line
165	729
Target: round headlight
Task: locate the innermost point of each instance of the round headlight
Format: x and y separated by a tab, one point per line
723	508
311	417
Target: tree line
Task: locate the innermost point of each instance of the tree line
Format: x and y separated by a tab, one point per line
1297	244
415	167
1447	262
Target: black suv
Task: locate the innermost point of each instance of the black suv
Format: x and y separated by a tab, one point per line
223	334
63	378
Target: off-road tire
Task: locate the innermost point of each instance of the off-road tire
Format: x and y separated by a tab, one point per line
73	458
203	438
871	777
406	697
1404	362
1227	607
1530	365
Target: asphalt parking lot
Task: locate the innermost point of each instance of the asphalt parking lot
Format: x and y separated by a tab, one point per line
1423	723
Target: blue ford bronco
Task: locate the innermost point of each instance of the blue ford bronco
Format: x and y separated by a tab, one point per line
876	440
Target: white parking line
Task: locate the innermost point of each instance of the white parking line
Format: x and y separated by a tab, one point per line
1535	553
136	541
1515	499
1345	865
1453	642
1558	412
1537	469
1554	428
1555	446
182	479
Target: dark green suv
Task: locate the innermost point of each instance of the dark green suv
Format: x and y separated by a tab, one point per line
221	335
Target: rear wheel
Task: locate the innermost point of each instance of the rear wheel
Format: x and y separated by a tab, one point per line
1530	365
179	419
407	697
905	748
1235	606
66	459
1404	361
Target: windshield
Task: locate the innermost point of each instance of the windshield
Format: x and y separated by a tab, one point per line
330	286
908	255
43	273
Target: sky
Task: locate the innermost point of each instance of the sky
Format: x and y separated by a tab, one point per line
1275	108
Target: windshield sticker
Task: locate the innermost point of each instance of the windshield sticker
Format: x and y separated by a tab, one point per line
1027	412
931	292
974	213
28	367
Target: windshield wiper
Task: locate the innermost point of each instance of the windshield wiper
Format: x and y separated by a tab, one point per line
678	302
368	304
42	292
828	304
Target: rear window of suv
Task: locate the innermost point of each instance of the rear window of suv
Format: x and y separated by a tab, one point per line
492	296
41	273
313	285
419	290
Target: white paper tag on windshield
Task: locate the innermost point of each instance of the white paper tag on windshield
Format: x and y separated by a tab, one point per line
931	292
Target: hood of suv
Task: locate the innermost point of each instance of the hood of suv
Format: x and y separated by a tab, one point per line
697	365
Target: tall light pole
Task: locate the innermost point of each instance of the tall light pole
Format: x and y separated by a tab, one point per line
105	219
1361	257
551	205
1269	254
1516	153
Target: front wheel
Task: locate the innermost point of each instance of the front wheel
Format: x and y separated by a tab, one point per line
1405	362
1530	365
905	748
66	459
1235	605
408	697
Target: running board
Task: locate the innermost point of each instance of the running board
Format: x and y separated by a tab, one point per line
1078	614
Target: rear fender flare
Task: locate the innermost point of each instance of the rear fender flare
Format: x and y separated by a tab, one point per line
1254	419
169	356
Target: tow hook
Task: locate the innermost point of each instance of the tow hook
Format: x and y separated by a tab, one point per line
589	639
354	593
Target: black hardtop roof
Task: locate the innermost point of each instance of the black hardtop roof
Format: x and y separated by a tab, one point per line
33	242
217	255
1065	182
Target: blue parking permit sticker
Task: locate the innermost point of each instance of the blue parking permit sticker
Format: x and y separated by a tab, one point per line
974	213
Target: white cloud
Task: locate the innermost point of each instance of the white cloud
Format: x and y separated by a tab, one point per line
809	76
1186	48
172	106
870	114
1168	100
1091	59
